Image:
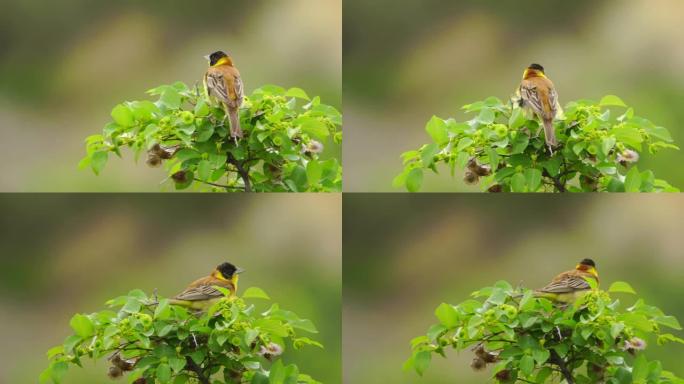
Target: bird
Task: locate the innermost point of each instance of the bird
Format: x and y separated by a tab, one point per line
537	93
201	294
570	285
223	84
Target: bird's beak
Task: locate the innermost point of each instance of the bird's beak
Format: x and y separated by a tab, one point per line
206	57
239	270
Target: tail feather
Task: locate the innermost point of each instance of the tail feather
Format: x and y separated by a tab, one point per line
550	133
235	129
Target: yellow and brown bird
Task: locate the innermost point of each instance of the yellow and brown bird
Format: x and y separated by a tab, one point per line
223	84
201	294
570	285
538	94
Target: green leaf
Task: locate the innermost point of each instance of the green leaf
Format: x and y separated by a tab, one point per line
669	321
298	93
201	109
427	155
526	365
520	143
163	311
187	154
314	171
518	182
633	180
421	361
277	373
123	116
612	101
553	165
171	98
640	370
437	129
163	373
313	127
533	177
82	325
517	119
541	356
414	180
204	170
629	135
447	315
98	160
621	287
464	143
255	293
607	143
486	116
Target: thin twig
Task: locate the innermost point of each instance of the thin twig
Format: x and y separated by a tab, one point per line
228	187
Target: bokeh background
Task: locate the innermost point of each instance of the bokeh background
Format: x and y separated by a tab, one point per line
64	65
63	254
403	64
404	255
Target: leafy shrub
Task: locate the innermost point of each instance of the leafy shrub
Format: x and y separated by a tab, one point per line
284	135
532	340
501	150
162	343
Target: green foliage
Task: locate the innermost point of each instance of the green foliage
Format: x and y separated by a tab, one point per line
163	343
532	340
281	151
504	151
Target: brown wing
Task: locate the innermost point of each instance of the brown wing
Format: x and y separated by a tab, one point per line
203	289
567	282
225	84
538	93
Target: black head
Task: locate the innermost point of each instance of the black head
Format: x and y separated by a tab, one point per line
536	67
216	56
228	270
588	262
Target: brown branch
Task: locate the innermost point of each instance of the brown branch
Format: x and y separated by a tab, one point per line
244	174
193	367
557	360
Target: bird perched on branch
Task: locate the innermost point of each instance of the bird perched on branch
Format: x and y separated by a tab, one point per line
201	294
223	84
538	94
570	285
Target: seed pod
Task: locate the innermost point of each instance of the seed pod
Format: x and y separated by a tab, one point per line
503	375
153	160
473	165
114	372
471	178
483	170
168	152
496	188
478	364
180	177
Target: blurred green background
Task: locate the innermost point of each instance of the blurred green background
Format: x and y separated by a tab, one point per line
403	64
404	255
64	65
63	254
